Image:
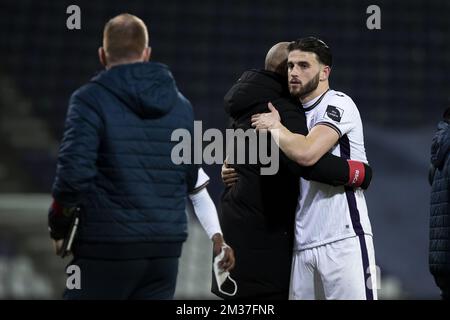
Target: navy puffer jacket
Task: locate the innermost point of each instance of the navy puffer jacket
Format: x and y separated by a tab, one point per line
115	162
439	257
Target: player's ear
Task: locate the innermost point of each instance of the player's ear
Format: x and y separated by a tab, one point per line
102	56
325	73
147	54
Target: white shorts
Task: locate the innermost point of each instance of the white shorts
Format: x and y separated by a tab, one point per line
340	270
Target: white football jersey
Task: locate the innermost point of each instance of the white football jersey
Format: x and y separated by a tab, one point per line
326	213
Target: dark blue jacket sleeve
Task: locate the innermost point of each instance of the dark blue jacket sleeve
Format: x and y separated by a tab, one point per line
78	152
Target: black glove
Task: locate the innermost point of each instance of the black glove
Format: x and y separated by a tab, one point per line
60	220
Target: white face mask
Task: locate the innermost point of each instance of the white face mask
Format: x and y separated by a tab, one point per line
222	275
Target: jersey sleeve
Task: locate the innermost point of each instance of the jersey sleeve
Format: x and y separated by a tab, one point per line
202	181
339	113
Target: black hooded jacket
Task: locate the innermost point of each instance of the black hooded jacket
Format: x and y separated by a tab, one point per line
258	212
439	257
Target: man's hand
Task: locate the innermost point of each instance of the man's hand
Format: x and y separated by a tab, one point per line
267	121
228	261
57	245
229	175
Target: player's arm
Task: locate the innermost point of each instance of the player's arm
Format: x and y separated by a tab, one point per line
76	167
305	150
329	169
206	212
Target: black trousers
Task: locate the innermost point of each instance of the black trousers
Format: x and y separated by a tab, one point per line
142	279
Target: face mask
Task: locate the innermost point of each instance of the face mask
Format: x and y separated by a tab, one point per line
222	275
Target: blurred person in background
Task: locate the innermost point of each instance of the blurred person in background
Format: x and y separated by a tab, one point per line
439	255
115	171
258	211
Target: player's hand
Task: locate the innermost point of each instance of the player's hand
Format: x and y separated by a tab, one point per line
228	261
267	121
229	175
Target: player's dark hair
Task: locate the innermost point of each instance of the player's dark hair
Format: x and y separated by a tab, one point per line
317	46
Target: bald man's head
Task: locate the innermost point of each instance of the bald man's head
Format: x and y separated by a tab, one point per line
276	58
125	39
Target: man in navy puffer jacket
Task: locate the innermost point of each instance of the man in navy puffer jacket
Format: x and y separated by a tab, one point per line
115	171
439	258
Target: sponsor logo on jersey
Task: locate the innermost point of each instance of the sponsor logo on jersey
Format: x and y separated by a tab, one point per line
334	113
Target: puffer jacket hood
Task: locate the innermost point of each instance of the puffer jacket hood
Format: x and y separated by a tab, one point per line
255	87
147	88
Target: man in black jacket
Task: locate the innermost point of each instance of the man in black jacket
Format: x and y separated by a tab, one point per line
439	258
259	229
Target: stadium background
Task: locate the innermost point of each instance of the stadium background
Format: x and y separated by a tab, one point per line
398	76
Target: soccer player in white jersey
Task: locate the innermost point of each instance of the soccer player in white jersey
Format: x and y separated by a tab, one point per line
333	254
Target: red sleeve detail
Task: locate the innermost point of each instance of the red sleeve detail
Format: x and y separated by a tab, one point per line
356	173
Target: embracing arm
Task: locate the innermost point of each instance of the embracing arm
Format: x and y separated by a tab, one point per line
328	169
305	150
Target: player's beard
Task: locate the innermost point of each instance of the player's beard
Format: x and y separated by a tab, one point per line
309	87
